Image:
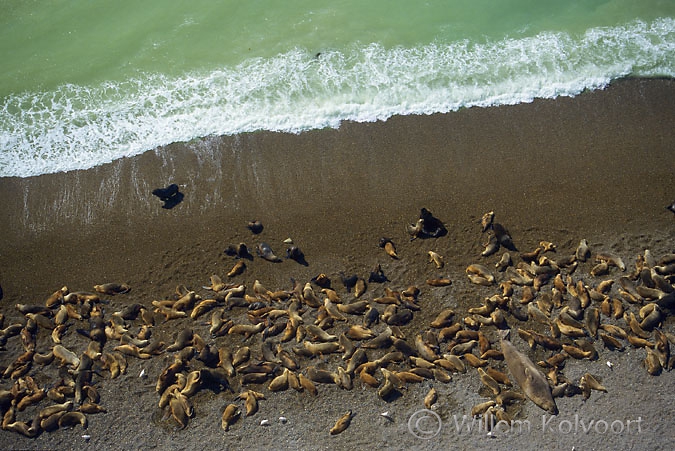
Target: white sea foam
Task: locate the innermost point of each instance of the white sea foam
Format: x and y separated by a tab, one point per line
77	127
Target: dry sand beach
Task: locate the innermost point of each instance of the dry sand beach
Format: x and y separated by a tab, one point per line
598	167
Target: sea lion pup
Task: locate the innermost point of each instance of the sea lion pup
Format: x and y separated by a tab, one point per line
527	375
170	195
265	251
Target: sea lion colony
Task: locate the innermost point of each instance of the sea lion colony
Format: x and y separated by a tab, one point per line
246	342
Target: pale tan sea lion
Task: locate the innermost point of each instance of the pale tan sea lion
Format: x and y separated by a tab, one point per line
436	258
528	377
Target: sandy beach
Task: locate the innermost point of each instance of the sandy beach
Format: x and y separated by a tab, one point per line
597	167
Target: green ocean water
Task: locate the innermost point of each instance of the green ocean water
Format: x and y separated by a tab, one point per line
86	82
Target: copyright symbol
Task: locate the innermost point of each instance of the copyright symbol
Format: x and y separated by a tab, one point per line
424	424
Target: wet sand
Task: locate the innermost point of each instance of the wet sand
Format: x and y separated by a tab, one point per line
599	166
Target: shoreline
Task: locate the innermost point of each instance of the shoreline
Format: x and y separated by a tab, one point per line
523	161
597	166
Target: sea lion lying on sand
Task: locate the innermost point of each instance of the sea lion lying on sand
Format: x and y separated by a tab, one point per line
170	195
528	376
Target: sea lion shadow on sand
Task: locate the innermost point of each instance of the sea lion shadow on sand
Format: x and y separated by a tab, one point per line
171	196
671	207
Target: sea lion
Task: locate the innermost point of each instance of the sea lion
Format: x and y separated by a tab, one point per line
237	269
427	226
112	288
280	382
439	282
504	262
230	415
251	398
294	253
342	423
433	227
73	419
481	271
436	258
239	250
443	319
486	220
265	251
388	245
255	226
491	247
415	230
171	196
583	251
528	376
166	193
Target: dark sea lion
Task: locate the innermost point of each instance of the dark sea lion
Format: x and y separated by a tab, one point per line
294	253
166	193
321	280
432	226
427	226
265	251
255	226
171	196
